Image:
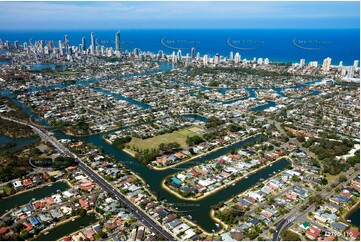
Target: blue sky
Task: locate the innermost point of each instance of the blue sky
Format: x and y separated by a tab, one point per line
169	15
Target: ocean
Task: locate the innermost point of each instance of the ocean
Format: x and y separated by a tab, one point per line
278	45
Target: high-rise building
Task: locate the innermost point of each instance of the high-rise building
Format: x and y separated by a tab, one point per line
350	72
237	58
92	39
117	42
136	51
341	64
51	45
266	61
179	55
326	64
193	52
16	44
302	62
66	44
7	44
83	44
313	63
205	60
231	56
355	64
260	61
60	46
198	56
174	58
188	59
217	59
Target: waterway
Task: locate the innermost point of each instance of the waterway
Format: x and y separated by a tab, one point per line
26	197
355	217
200	210
67	228
20	143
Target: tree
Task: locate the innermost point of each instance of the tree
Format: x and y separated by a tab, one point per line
342	178
324	181
288	235
194	140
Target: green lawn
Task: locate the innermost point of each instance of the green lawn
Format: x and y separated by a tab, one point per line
67	72
6	189
179	136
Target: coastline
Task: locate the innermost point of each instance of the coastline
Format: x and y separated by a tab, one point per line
220	187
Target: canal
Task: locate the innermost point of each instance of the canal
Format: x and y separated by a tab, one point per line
200	210
26	197
19	143
354	216
67	228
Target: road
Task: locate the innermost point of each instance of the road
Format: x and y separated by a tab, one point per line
153	225
293	217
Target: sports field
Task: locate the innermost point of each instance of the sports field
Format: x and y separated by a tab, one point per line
179	136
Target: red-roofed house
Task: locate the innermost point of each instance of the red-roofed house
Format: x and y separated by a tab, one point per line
89	233
179	155
353	233
3	231
313	232
84	203
28	226
27	182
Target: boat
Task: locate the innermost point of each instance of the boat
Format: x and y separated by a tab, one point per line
217	225
73	219
50	185
190	217
233	184
271	165
274	172
46	232
348	220
246	177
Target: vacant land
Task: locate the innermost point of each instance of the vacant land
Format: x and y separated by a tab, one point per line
179	136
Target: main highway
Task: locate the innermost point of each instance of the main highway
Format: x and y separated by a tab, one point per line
153	225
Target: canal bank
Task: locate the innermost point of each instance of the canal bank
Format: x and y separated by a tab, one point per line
199	211
205	195
27	196
67	227
18	143
353	215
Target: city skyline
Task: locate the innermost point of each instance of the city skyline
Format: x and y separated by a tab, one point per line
177	15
